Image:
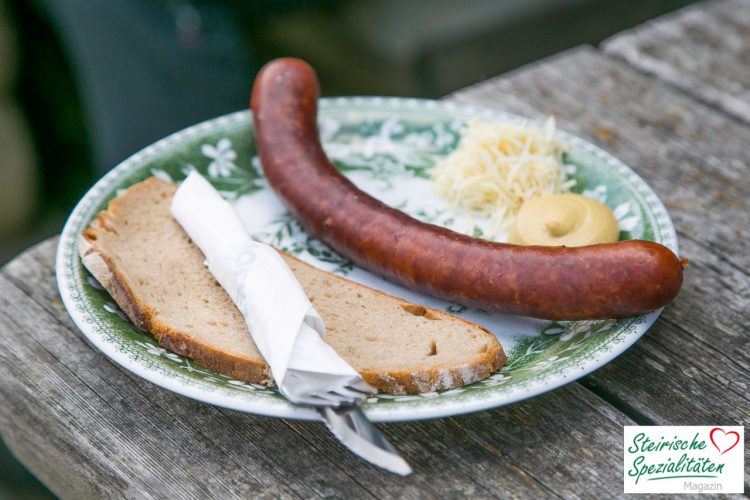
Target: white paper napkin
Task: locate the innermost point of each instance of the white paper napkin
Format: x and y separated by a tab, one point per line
285	326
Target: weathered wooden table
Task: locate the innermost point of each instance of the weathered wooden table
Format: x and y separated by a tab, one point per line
672	99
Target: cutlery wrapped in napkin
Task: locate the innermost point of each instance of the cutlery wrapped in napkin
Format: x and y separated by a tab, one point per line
284	324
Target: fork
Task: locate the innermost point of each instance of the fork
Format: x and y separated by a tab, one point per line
319	389
336	399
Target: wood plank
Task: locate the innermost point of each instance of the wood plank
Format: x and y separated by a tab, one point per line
703	50
109	433
697	162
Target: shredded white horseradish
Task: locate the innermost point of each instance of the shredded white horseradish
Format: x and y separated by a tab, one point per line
498	166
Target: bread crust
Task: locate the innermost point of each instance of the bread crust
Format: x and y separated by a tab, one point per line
257	371
429	379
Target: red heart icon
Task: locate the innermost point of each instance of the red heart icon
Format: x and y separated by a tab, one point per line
724	439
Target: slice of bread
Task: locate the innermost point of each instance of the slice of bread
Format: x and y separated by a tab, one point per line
141	255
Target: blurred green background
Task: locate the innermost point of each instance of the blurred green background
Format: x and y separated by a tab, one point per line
86	83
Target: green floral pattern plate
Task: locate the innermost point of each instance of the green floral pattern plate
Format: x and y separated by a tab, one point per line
387	146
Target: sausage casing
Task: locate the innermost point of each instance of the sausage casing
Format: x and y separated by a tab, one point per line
610	280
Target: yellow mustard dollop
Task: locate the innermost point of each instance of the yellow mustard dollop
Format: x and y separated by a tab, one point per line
564	219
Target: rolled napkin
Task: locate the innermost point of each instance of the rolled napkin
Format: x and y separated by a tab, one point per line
283	323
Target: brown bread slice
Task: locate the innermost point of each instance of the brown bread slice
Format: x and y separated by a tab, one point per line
141	255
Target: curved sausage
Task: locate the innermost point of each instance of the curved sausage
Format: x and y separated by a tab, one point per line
599	281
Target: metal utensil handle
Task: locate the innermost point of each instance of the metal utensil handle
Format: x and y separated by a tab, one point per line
357	433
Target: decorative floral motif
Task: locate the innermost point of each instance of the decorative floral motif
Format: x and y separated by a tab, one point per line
626	221
231	180
161	174
223	158
113	308
287	234
155	350
188	366
387	149
599	193
559	338
627	213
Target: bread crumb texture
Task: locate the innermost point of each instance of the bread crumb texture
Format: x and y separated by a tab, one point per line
156	274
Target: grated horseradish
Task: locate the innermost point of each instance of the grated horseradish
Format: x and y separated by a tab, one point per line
498	166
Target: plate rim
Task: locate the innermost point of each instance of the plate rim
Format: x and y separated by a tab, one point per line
68	245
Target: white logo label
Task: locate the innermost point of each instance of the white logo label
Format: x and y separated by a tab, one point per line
684	459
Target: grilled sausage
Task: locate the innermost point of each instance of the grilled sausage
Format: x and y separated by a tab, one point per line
598	281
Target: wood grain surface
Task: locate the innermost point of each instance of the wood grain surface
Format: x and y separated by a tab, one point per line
87	428
693	366
704	50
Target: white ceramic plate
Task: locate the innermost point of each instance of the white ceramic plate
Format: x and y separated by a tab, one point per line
387	146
